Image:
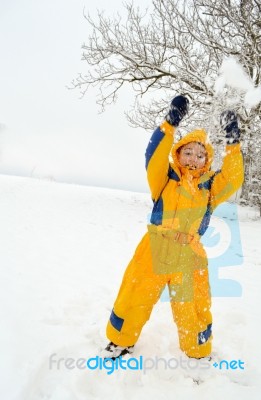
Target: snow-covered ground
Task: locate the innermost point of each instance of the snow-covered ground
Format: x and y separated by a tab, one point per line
64	249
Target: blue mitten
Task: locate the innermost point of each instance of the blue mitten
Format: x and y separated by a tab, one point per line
229	122
178	109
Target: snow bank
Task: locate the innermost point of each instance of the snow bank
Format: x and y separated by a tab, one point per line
64	250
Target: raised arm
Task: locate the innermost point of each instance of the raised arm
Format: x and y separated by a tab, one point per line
231	176
157	158
157	152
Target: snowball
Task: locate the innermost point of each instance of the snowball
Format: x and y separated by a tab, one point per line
234	75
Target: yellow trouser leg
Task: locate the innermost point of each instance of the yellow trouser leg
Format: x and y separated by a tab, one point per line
194	319
139	291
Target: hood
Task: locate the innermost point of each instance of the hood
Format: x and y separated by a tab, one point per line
200	136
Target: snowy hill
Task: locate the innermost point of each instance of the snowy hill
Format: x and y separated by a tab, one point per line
64	249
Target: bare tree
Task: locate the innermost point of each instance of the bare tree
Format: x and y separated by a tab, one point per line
177	47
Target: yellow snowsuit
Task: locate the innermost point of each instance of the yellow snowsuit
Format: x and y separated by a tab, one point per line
170	252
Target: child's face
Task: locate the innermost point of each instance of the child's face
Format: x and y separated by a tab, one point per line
192	155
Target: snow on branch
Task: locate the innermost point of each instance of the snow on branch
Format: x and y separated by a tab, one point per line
178	47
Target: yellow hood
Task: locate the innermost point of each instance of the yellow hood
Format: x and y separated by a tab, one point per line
200	136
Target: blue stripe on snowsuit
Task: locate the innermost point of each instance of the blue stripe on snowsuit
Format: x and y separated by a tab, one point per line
205	221
173	175
157	212
206	218
116	321
205	335
207	184
155	140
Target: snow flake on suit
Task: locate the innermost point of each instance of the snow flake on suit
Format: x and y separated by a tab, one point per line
170	253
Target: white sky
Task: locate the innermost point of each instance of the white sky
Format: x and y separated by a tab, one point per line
48	130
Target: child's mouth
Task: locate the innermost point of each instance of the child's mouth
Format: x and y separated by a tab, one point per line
191	166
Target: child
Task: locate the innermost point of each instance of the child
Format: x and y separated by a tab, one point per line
185	192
